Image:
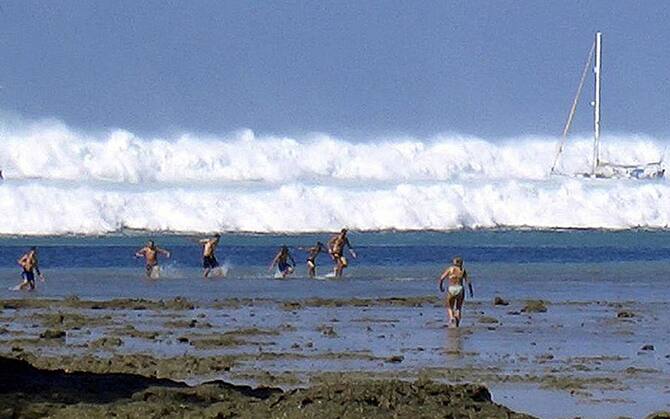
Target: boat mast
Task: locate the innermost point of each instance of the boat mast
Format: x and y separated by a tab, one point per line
596	105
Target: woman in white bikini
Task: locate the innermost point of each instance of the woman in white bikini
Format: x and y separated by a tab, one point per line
455	292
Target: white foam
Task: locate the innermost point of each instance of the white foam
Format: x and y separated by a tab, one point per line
51	150
60	181
563	203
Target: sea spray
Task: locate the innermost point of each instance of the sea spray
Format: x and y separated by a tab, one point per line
53	151
557	203
60	181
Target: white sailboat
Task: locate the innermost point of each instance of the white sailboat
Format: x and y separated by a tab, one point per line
600	168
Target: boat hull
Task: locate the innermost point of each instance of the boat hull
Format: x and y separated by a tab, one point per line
646	171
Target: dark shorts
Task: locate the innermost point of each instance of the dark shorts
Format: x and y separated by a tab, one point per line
29	276
283	266
209	262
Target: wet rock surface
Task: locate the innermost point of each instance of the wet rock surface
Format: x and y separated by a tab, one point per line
178	367
291	343
624	314
498	301
26	391
534	306
106	343
53	334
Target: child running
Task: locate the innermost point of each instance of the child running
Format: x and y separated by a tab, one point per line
281	261
312	254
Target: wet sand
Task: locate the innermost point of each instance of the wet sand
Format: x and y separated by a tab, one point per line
549	359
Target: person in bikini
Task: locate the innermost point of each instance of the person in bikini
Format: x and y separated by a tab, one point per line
150	254
312	254
336	247
281	261
209	261
30	267
456	275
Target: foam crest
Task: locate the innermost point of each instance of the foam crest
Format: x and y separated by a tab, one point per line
59	181
563	203
51	150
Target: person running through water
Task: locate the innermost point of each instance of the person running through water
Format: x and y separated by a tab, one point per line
150	254
456	275
30	267
209	262
282	262
336	247
312	254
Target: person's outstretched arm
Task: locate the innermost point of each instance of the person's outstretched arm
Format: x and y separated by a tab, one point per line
443	277
465	277
163	251
274	262
36	267
351	249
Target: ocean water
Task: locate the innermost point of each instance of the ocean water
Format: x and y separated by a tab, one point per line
60	181
551	265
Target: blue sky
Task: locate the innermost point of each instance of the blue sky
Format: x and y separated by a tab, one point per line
357	68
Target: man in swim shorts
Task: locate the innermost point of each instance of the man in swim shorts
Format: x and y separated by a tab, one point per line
336	247
209	261
312	254
150	253
456	275
281	261
30	267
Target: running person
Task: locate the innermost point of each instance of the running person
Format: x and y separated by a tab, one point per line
456	275
281	261
312	254
336	247
209	261
150	254
30	267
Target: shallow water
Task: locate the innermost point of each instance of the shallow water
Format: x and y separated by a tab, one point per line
569	265
587	278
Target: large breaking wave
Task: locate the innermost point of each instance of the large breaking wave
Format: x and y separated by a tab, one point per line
61	181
